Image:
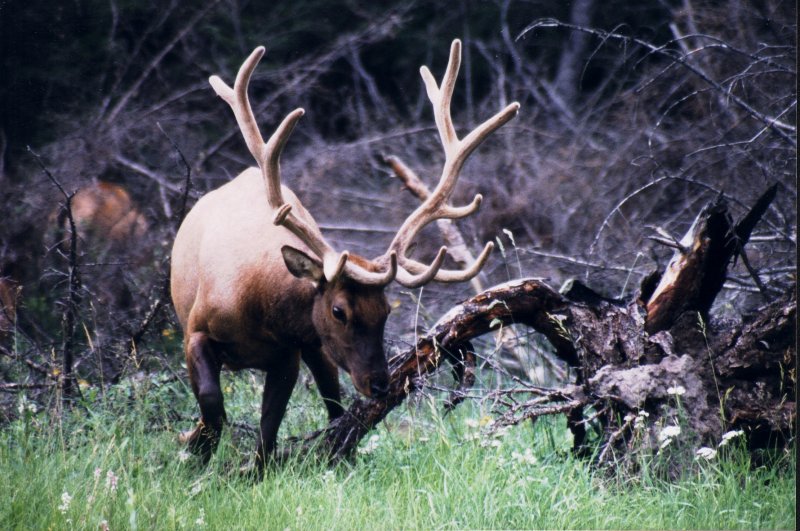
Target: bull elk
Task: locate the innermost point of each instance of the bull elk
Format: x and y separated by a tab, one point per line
256	285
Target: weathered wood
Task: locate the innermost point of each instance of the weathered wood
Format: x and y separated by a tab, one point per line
697	271
756	366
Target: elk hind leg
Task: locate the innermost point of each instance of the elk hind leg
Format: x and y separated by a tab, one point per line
204	369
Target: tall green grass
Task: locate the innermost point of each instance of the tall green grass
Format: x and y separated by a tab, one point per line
120	466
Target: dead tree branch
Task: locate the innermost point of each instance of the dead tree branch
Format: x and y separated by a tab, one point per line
697	270
73	299
528	301
773	123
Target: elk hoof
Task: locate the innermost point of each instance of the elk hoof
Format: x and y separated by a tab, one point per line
202	440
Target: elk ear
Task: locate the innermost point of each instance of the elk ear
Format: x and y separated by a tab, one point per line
302	265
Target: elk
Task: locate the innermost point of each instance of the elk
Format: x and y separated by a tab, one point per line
256	285
104	215
108	224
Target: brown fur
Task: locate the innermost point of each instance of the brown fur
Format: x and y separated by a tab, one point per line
105	214
8	306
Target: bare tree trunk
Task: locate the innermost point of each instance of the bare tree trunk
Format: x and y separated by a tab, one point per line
570	64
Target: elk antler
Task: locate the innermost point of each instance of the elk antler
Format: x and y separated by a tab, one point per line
411	272
268	156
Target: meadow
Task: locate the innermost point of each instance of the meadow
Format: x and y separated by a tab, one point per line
113	462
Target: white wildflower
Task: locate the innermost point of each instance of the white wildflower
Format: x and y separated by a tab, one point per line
526	458
201	520
299	511
472	436
501	432
669	432
727	436
196	488
66	499
472	423
371	446
328	476
494	443
676	390
183	456
706	453
641	417
25	405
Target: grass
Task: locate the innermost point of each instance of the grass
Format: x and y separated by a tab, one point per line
120	466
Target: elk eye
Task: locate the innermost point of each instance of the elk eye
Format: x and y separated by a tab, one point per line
339	314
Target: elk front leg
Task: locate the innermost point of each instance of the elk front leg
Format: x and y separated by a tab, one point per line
204	367
278	387
326	376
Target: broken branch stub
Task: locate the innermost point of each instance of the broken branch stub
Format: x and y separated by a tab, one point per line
698	268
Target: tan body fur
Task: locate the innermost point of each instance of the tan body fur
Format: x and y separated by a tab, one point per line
229	279
8	306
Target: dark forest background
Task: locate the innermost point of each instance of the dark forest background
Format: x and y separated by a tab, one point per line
633	116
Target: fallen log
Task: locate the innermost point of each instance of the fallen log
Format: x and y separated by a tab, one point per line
629	360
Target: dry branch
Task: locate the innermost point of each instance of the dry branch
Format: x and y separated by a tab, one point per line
74	284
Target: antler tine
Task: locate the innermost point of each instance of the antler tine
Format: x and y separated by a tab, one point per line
426	273
447	275
237	98
268	156
456	153
373	278
441	97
